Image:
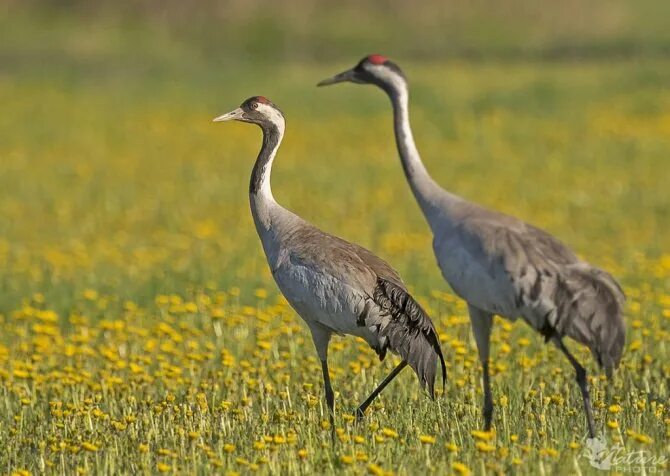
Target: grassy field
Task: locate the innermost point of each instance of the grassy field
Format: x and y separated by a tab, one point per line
141	329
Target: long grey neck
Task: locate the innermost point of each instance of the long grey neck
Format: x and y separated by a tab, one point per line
431	197
260	193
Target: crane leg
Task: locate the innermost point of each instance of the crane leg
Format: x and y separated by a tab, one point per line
360	412
330	397
488	397
481	322
583	386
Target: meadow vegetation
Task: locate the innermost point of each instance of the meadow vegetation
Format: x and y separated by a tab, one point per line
141	328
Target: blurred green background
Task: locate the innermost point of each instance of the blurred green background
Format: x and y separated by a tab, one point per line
128	254
556	112
316	31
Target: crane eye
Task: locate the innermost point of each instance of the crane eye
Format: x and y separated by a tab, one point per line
254	105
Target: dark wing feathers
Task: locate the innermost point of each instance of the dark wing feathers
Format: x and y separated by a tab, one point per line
584	302
406	329
402	325
592	303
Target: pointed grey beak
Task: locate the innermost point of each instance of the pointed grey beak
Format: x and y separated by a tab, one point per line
348	75
235	115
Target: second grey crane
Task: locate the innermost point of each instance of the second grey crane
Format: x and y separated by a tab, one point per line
501	265
335	286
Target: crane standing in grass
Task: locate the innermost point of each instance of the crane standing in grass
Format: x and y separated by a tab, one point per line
501	265
335	286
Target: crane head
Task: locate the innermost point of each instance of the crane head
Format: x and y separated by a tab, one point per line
373	69
256	110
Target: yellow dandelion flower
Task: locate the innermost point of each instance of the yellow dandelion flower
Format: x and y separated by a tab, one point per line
21	472
549	452
264	345
574	445
375	470
346	459
460	468
614	408
484	447
143	448
90	294
20	373
163	468
228	448
427	439
451	447
302	453
613	424
90	446
389	433
639	437
483	435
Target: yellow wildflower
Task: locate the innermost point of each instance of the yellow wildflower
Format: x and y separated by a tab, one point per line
427	439
389	433
460	468
483	435
484	447
90	446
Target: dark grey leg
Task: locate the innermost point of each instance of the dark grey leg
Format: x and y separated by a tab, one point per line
360	412
583	386
330	397
488	397
481	329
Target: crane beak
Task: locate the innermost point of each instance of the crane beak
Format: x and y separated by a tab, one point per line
345	76
236	115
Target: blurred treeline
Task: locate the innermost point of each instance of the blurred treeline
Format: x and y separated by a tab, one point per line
318	30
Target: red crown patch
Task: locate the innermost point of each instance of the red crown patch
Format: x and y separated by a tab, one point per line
377	59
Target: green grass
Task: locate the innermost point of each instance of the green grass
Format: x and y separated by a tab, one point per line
125	212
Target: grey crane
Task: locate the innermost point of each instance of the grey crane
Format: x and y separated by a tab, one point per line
335	286
501	265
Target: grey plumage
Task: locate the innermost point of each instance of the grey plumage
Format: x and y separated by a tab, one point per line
335	286
501	265
547	284
386	315
538	278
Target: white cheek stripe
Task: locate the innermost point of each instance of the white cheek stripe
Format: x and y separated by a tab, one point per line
273	115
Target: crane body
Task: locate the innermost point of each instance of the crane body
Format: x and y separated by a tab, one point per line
336	287
500	265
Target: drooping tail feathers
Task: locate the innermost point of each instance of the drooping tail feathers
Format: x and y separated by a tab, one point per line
406	329
592	308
